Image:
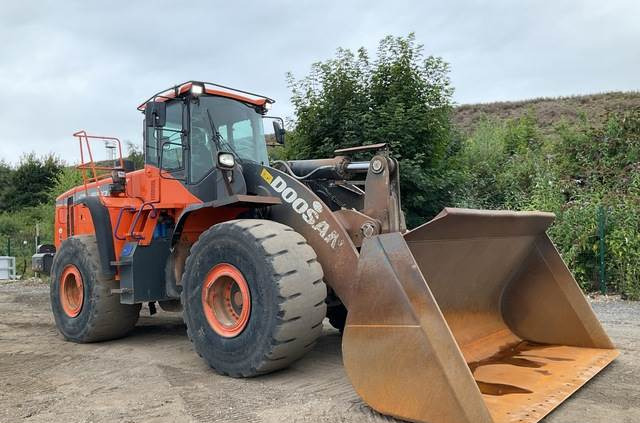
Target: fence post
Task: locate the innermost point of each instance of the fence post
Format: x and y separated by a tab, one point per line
8	246
601	235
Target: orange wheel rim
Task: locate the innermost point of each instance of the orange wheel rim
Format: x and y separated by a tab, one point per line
226	300
71	291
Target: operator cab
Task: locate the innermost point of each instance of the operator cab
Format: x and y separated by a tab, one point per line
196	128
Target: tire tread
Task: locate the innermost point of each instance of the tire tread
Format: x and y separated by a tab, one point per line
301	291
108	319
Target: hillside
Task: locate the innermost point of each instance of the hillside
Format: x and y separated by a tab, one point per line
548	111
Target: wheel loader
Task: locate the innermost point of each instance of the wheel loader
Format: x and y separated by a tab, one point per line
472	317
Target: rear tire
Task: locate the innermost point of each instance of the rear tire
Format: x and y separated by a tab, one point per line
83	306
283	295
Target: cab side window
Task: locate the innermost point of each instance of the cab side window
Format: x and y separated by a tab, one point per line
202	152
243	138
203	149
172	156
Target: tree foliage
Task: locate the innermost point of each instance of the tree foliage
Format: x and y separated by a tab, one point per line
498	163
68	178
29	183
574	171
135	155
18	221
5	183
401	97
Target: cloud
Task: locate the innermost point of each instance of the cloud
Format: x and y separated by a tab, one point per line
66	66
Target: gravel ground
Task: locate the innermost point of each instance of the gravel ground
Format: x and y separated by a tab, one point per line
153	375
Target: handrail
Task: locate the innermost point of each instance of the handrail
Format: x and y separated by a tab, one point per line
90	167
153	215
115	230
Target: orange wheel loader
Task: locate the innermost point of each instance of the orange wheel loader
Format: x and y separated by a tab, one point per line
472	317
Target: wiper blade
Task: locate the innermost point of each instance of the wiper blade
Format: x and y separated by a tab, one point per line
219	140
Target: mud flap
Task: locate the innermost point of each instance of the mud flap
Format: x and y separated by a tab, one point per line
471	318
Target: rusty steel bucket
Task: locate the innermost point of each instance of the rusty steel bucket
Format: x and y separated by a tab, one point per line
471	318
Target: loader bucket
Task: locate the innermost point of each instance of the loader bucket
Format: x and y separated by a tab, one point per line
471	318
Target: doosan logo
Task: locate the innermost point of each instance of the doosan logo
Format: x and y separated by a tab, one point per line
309	213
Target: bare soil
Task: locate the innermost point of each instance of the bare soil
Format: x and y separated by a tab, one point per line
549	112
154	375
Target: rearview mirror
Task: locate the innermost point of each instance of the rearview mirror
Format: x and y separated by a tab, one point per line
278	131
155	114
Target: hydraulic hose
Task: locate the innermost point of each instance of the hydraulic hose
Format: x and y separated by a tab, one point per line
336	168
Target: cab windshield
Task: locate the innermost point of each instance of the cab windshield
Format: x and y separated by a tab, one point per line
239	131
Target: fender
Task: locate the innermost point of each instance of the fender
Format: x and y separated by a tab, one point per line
103	232
236	201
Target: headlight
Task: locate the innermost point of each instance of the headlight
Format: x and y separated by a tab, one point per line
226	160
267	106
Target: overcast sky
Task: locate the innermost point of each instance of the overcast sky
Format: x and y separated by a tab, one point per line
68	65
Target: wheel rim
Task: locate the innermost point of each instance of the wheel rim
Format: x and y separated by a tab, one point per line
226	300
71	291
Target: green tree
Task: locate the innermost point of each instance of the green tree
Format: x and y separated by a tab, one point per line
68	178
31	181
331	106
402	98
499	162
135	155
5	183
574	170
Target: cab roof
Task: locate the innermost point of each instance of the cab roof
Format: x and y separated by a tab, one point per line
209	88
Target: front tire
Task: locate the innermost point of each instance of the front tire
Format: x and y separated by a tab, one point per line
253	297
83	306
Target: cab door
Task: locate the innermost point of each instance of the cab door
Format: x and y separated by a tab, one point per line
206	180
165	146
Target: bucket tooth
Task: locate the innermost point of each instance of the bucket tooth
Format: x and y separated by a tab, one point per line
472	317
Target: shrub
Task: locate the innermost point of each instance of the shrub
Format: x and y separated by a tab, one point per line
573	171
402	98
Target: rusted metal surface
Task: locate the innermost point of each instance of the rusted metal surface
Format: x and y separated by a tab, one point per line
472	317
357	225
493	270
525	382
382	194
397	348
